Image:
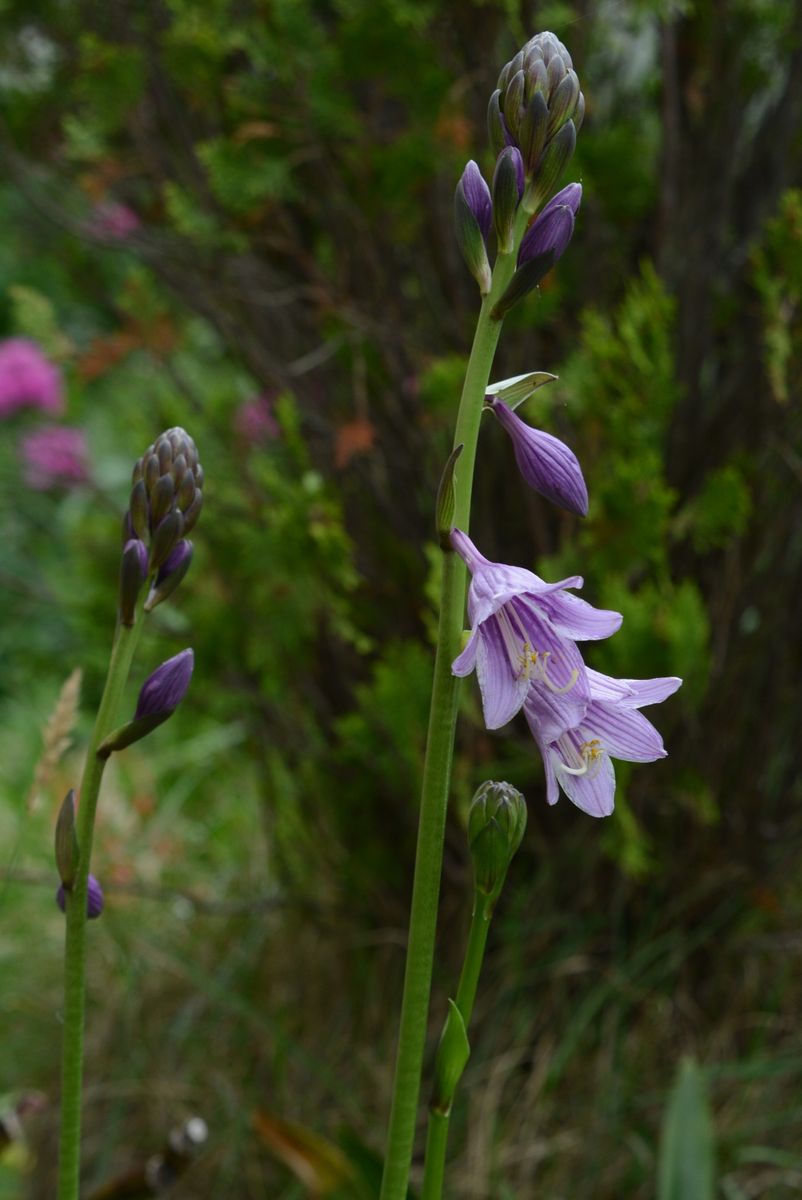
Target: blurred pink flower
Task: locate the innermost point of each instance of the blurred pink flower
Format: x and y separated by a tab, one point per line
254	420
113	221
27	379
55	456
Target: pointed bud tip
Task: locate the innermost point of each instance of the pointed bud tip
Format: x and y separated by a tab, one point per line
166	687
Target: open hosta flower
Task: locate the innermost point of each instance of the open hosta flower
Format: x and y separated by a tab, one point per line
546	463
578	759
523	637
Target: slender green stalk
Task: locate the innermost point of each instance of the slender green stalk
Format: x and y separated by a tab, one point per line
435	1159
125	641
439	1120
439	751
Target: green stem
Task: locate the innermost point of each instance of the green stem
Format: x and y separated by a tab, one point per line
439	751
122	652
439	1121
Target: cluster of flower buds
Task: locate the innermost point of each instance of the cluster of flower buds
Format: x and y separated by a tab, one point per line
537	108
165	503
534	115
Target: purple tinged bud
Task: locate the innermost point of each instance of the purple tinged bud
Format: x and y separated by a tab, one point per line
546	463
94	898
141	554
175	560
554	227
472	216
133	570
508	186
170	574
163	691
477	196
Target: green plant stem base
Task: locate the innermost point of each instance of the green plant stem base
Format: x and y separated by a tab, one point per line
69	1162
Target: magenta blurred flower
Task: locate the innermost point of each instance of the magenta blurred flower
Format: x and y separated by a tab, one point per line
113	221
255	421
55	456
27	379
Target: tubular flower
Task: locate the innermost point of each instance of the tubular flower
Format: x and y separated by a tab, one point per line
523	637
578	759
546	463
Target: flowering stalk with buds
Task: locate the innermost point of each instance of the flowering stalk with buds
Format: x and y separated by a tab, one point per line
524	631
496	825
165	503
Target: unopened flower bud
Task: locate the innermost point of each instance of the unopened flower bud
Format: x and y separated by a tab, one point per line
546	463
508	186
473	213
543	244
160	696
94	898
67	851
170	574
166	495
496	824
133	571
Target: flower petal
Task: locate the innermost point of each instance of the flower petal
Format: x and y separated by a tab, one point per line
503	692
624	732
651	691
575	618
465	661
549	714
593	792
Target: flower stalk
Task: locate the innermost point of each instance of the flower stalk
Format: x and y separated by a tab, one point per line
125	642
165	503
439	748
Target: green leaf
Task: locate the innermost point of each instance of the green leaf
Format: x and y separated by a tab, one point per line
686	1164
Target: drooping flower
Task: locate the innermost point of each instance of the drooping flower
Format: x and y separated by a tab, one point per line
55	456
523	636
94	898
579	759
546	463
553	228
27	379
